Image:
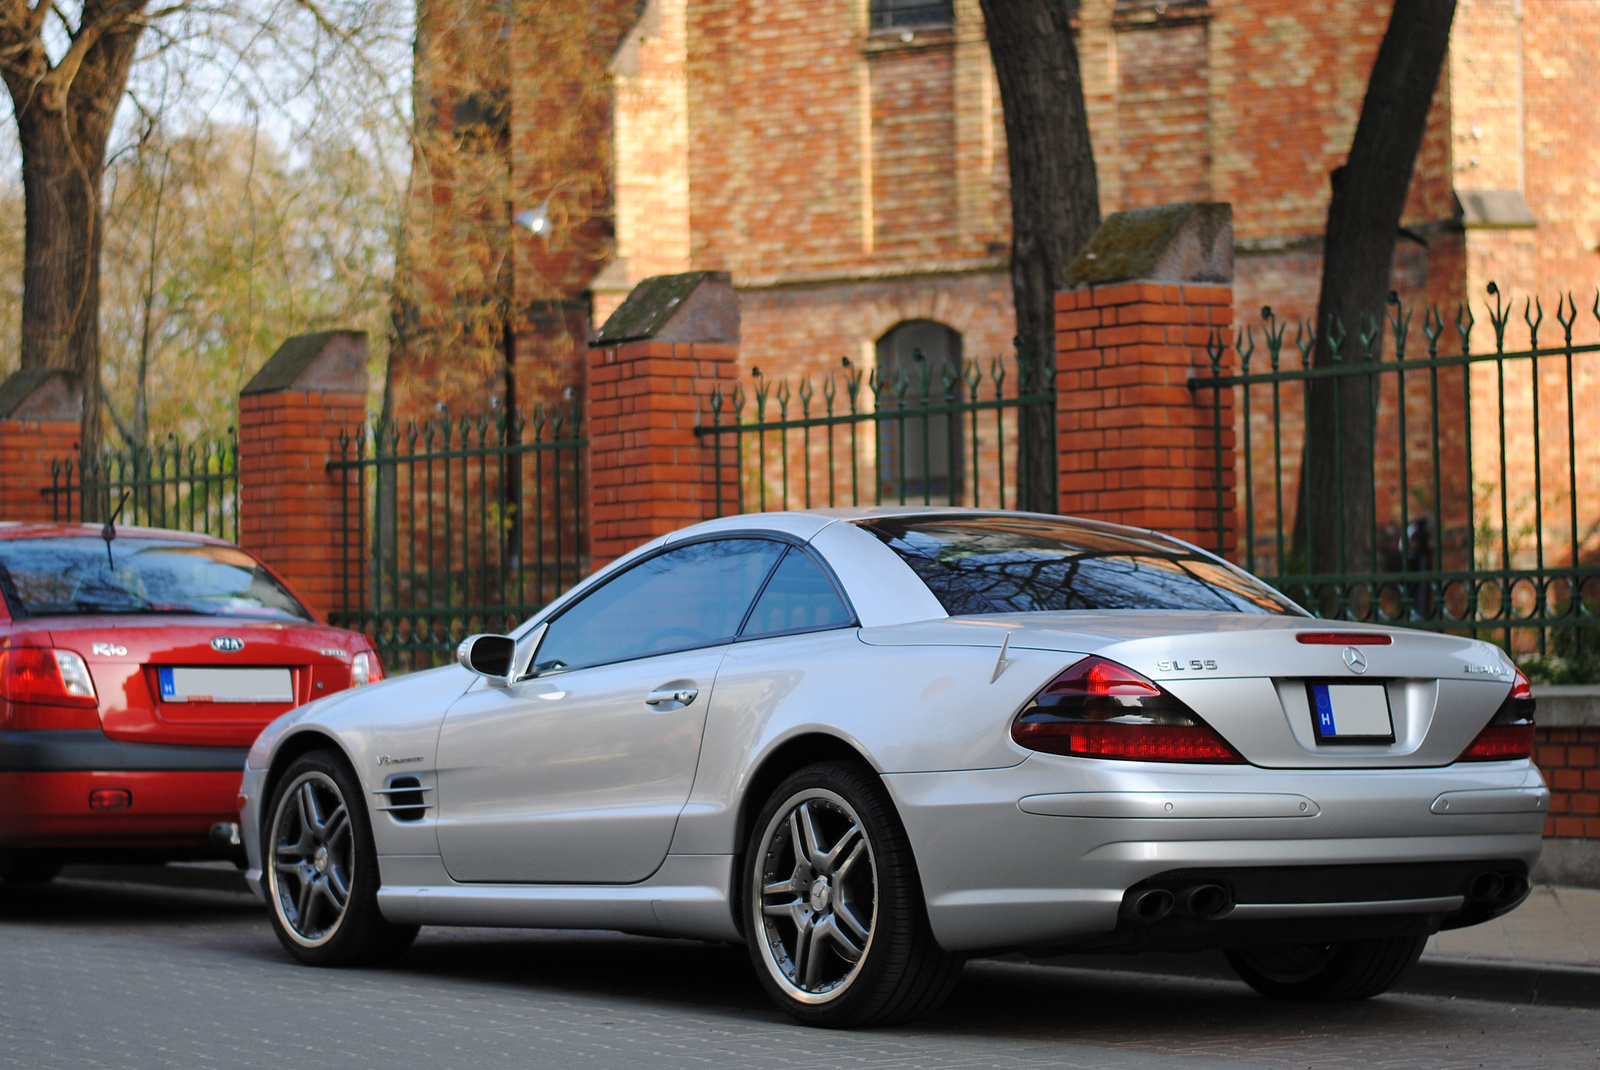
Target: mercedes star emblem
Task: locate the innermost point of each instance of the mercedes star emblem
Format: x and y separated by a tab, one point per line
1355	660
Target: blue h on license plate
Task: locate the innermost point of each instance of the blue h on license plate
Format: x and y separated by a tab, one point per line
1351	713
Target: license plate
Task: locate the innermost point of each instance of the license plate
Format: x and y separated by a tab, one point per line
1351	713
226	685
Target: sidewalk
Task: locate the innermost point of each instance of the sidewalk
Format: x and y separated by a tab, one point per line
1555	925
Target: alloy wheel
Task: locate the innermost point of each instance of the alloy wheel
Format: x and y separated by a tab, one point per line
816	895
313	859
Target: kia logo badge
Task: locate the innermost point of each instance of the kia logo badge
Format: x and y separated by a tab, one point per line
230	644
1355	660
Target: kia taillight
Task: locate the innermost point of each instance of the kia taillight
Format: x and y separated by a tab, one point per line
1099	709
1509	733
365	668
46	688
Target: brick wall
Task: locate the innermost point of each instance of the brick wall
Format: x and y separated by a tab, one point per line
648	473
1567	758
27	448
289	504
1136	446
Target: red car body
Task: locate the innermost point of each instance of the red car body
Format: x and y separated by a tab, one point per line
124	774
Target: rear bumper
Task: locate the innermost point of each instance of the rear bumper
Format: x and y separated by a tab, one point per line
177	793
997	875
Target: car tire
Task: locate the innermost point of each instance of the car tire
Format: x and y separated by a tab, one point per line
837	929
1326	973
321	868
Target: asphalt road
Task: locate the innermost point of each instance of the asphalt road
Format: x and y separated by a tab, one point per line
113	975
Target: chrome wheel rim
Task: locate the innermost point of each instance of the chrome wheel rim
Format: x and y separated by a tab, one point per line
816	894
313	859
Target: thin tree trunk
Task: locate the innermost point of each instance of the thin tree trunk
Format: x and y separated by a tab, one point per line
1055	201
1369	197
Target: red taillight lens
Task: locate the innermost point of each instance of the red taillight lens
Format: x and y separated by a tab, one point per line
1509	733
1343	638
1099	709
36	676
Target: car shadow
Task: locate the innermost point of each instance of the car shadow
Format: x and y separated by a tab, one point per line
1090	1003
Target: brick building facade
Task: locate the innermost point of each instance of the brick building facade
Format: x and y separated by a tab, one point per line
844	161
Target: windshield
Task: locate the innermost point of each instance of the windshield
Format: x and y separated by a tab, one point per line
73	577
1022	564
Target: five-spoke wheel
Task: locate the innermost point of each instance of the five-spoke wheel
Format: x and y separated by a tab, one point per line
833	914
321	868
819	894
313	858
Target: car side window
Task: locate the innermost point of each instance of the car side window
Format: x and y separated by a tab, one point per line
798	598
691	596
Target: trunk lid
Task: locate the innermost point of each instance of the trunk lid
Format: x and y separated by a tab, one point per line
126	656
1253	681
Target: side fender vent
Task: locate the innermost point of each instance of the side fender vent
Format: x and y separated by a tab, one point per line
404	798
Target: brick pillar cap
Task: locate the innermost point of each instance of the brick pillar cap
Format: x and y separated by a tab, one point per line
692	308
41	394
323	362
1190	242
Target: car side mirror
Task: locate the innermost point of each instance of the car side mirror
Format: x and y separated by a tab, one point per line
487	655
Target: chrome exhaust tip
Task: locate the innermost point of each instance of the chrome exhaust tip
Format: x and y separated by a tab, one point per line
1152	905
1205	900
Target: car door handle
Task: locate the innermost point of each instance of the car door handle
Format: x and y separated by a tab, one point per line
682	696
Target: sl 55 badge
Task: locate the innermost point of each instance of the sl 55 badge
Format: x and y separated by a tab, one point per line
1192	665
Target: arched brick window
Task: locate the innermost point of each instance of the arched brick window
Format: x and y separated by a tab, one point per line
919	367
887	15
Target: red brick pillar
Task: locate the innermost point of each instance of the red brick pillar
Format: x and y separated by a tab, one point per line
1137	446
649	375
291	512
41	413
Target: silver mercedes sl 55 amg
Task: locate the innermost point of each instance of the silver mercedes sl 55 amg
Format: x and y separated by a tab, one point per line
870	744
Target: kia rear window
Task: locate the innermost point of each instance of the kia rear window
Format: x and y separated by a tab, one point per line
1023	564
74	577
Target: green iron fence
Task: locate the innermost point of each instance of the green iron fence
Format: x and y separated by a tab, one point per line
187	486
1485	488
455	526
945	435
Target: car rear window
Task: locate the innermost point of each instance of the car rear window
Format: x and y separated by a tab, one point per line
1021	564
67	577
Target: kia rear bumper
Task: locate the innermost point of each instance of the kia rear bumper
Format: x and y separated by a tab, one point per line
78	789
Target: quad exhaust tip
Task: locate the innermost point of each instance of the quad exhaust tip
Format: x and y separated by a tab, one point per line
1196	901
1498	888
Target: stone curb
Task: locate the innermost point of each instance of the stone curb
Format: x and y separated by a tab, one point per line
1435	975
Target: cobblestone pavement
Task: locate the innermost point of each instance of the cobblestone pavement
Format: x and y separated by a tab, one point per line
104	975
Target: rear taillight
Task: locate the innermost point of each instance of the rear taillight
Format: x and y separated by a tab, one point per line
46	688
1099	709
365	668
1509	733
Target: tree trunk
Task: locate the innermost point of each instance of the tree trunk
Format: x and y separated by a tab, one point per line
1055	202
1333	532
62	128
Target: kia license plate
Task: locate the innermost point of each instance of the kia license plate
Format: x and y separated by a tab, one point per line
226	685
1351	713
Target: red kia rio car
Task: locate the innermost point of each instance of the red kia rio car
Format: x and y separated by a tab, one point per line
135	671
